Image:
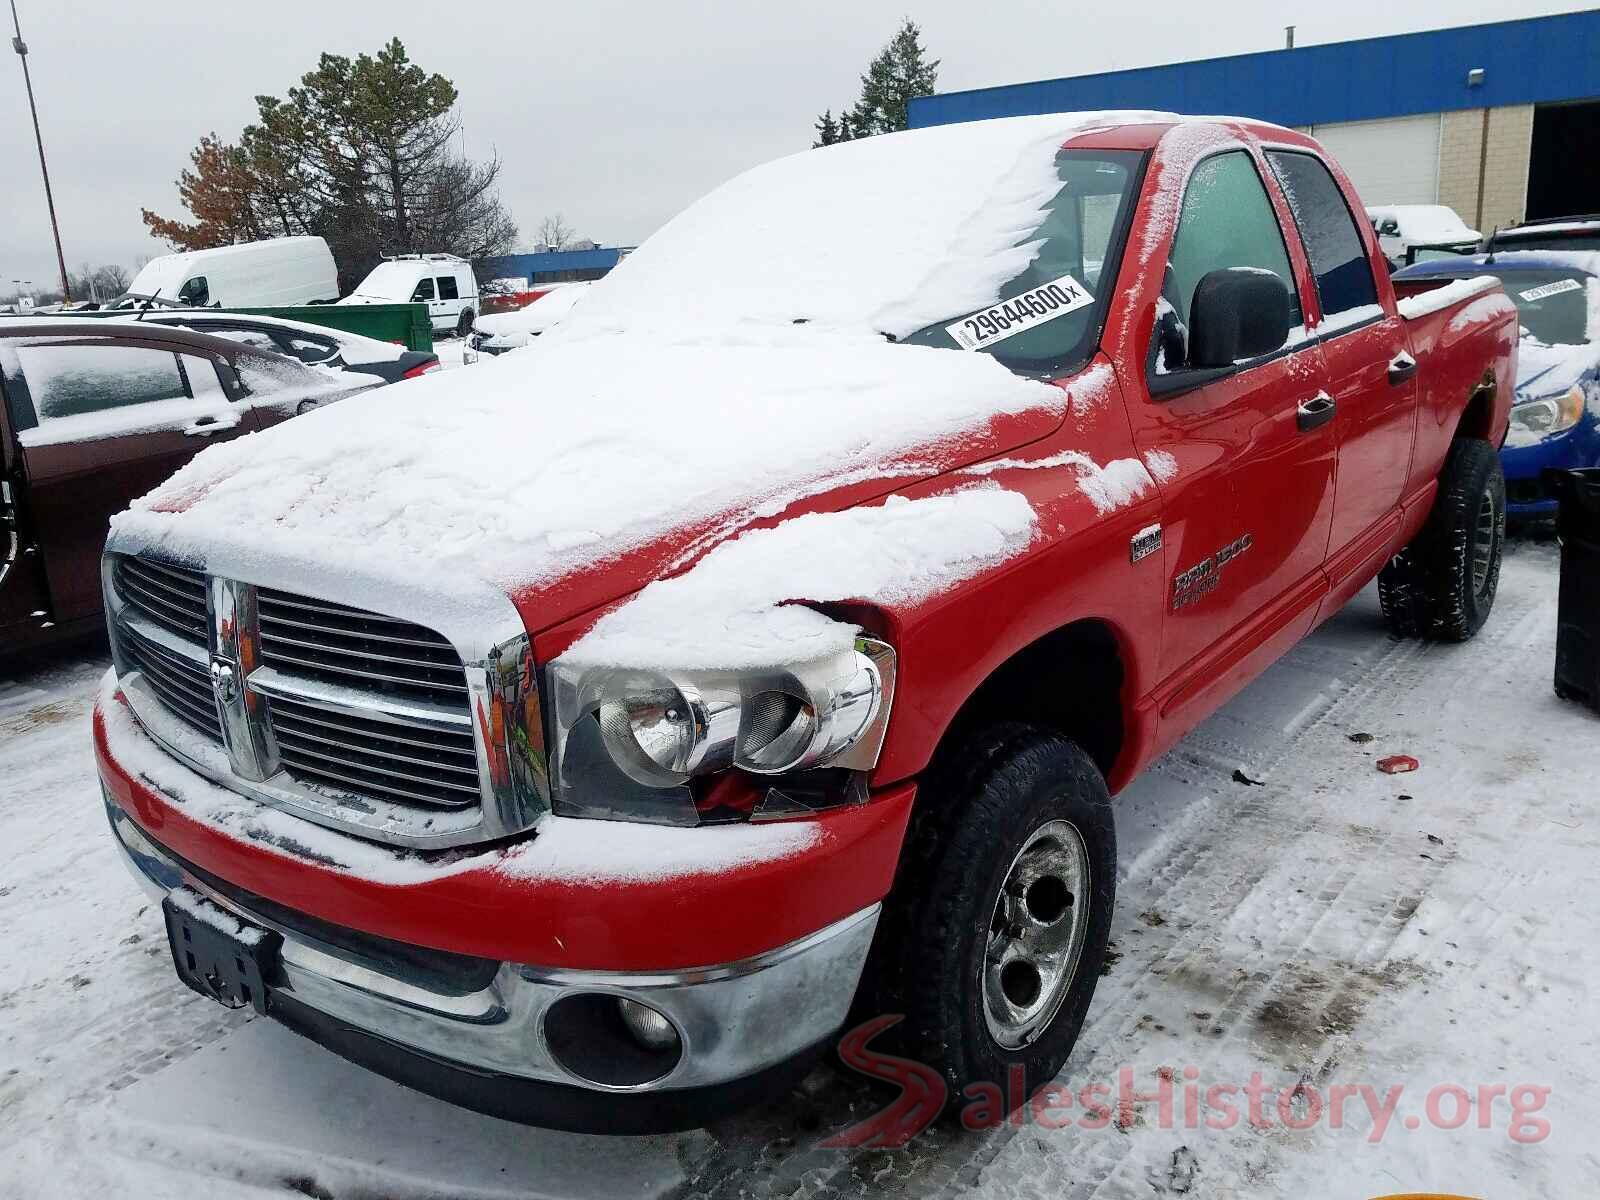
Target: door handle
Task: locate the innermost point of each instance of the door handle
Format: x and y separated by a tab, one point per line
206	426
1401	368
1315	412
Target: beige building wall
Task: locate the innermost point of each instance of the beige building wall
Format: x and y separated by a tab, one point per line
1492	146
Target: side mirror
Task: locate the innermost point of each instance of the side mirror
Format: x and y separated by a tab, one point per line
1237	313
1390	228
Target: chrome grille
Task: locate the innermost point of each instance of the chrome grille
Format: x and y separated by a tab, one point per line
396	758
347	646
172	597
355	718
182	683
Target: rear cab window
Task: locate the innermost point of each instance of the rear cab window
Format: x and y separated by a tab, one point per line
1346	288
1227	220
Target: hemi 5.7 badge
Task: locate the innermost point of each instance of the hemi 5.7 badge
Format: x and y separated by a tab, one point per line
1020	313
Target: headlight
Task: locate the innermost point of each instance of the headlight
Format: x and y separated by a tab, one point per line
1550	415
650	746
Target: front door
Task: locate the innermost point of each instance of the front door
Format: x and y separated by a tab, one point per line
110	419
1245	461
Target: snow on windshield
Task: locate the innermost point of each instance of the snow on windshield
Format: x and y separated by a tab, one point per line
887	234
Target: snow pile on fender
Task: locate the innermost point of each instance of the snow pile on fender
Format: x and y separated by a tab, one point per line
728	611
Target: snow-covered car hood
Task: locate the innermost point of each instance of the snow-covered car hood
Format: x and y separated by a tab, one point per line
506	330
1545	370
603	460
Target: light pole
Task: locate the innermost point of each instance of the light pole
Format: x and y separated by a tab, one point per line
21	47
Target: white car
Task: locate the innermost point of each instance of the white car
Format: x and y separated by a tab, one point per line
499	332
1402	226
443	282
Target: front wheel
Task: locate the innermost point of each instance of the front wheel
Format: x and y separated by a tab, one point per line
994	938
1442	586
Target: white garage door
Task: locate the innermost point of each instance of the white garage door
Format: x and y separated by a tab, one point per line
1393	161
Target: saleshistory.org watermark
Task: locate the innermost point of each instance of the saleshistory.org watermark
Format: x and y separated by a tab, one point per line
1176	1099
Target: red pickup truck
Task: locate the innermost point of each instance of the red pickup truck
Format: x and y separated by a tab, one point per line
580	737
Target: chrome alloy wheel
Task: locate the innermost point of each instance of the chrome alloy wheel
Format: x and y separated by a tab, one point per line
1483	548
1036	934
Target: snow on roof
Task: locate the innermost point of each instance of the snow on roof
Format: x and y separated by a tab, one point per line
885	234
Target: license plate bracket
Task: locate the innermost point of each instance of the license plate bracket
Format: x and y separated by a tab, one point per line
220	956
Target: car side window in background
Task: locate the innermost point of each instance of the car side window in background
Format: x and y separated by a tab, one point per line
447	288
1226	221
70	380
1328	230
202	376
195	291
424	291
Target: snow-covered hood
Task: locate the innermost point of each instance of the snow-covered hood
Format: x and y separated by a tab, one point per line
1545	370
517	328
608	460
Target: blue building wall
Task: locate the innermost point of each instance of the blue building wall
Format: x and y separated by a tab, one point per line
557	264
1536	60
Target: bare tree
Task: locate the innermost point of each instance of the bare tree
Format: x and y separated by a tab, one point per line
554	232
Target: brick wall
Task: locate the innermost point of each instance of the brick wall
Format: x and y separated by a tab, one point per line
1501	156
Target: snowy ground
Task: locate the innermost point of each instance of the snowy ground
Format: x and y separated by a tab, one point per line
1330	929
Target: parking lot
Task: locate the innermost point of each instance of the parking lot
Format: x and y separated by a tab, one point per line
1327	925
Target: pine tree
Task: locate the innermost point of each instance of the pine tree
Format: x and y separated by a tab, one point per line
827	130
899	72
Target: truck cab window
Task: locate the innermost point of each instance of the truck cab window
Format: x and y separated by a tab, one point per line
1226	221
195	291
424	291
1328	230
447	288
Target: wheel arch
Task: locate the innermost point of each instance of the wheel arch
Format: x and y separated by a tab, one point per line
1071	680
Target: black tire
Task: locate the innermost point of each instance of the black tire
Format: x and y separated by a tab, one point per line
464	323
929	961
1442	586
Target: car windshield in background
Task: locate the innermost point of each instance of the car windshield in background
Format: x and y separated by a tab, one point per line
1047	318
1588	240
1552	305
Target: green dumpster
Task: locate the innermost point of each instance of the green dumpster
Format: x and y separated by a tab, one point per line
404	323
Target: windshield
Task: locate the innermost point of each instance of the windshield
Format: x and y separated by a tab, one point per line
1552	305
1048	315
1545	240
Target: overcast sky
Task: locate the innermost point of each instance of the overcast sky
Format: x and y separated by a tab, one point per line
613	114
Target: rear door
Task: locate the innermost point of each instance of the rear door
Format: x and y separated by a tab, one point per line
1247	480
103	421
1370	371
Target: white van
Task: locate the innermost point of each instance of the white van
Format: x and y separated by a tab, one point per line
443	282
1402	226
289	270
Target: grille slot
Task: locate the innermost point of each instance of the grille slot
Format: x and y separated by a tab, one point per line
172	597
183	686
346	646
396	760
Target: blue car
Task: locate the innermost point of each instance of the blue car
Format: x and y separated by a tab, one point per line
1555	415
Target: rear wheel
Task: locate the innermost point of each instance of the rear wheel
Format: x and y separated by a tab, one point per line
464	323
1442	586
993	940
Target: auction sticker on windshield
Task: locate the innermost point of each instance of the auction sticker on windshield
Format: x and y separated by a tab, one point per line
1551	289
1020	313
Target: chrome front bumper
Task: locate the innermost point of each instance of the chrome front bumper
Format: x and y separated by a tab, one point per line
733	1019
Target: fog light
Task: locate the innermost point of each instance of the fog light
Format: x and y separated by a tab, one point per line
652	1030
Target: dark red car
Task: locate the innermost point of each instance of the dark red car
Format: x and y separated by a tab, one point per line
96	414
